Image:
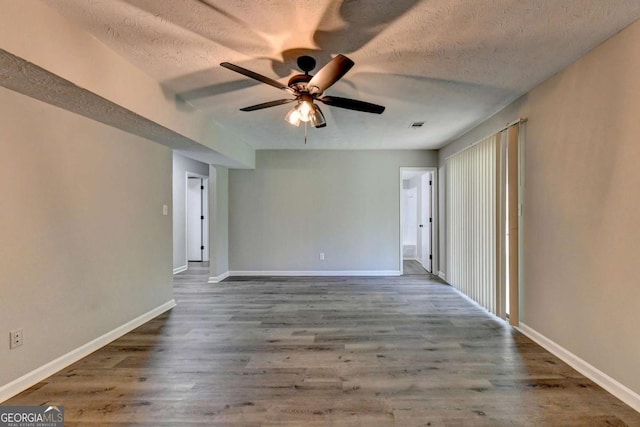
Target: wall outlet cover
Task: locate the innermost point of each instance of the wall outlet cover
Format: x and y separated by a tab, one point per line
16	338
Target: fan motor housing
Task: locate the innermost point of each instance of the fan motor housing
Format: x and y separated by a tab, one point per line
299	82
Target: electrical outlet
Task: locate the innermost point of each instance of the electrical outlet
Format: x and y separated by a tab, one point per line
321	256
16	339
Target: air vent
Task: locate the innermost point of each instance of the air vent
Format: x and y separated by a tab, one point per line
416	125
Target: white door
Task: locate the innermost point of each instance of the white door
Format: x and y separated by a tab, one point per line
426	222
194	219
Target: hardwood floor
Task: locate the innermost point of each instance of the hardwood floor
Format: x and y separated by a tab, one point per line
405	351
411	267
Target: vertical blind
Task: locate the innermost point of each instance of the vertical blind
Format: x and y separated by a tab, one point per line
472	221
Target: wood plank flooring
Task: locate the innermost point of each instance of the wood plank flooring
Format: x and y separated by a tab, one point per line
341	351
411	267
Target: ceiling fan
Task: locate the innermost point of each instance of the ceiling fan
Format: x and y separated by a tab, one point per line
307	88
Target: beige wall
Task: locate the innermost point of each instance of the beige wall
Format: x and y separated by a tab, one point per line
298	203
582	206
85	247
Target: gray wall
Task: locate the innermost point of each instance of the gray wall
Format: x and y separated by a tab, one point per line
182	165
85	247
219	223
582	208
296	204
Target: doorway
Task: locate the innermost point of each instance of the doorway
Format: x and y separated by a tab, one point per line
197	242
417	218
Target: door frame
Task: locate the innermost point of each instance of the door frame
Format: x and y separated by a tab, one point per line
422	259
434	214
510	272
205	213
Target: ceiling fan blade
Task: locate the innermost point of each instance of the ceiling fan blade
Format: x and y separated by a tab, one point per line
256	76
329	74
352	104
267	104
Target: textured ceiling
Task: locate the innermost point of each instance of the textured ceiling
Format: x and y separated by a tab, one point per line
448	63
29	79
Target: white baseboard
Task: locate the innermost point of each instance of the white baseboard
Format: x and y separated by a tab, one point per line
24	382
475	303
180	269
369	273
219	278
442	275
614	387
423	266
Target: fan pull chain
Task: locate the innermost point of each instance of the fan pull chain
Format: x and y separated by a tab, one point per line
305	133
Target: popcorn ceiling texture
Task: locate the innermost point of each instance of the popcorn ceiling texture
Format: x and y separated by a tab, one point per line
449	63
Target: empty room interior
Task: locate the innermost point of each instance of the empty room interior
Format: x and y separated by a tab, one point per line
328	212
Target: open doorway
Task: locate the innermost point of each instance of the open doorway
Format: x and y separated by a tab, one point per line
189	176
417	220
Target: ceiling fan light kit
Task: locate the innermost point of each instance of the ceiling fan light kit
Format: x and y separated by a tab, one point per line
293	116
306	111
307	88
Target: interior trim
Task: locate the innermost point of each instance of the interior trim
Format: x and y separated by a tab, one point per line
28	380
219	278
180	269
369	273
614	387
